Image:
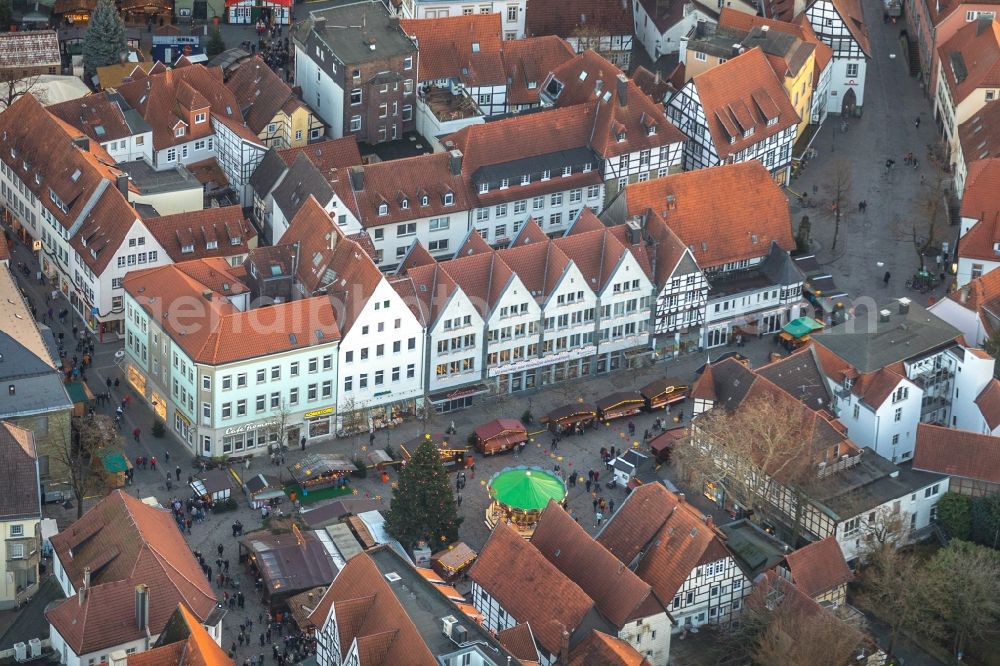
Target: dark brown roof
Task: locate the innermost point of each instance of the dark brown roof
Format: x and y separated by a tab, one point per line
819	567
31	48
619	594
637	521
125	542
19	494
259	92
465	48
519	642
567	19
539	594
960	453
98	116
528	61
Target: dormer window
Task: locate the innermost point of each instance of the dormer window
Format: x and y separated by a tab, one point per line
179	130
484	188
235	241
996	247
546	174
383	208
651	130
404	203
199	117
567	171
187	249
587	167
504	183
621	136
848	383
211	245
532	85
449	199
424	200
772	121
748	133
526	179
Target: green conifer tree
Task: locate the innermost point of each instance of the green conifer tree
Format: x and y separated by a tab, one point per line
105	40
423	507
215	44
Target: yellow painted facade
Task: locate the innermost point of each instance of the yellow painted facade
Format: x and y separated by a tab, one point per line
291	130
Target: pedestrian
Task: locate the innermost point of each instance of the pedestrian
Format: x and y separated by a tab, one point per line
599	516
116	383
178	473
220	548
595	502
152	463
885	278
611	505
458	499
302	443
589	483
136	434
916	122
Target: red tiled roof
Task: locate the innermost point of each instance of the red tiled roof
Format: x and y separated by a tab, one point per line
854	18
540	267
596	253
875	387
961	453
980	136
587	221
408	180
530	233
800	28
326	155
369	612
196	229
711	209
988	402
528	61
601	649
637	521
569	19
539	594
666	13
259	91
97	116
519	642
125	542
197	649
970	60
158	99
981	202
466	48
619	594
429	291
740	95
483	277
819	567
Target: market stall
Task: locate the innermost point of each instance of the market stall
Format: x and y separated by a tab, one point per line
661	393
453	454
619	405
263	490
663	444
518	495
214	485
797	332
499	435
627	465
288	563
115	464
569	417
321	470
453	561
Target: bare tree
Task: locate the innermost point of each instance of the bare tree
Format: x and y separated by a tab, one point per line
76	453
277	430
12	87
755	453
889	529
888	579
930	225
839	189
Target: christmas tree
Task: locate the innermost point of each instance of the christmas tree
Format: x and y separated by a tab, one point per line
104	43
215	44
423	508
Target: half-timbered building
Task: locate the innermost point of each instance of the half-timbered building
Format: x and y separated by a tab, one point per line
736	112
841	26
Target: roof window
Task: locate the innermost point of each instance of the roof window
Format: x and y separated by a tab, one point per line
187	249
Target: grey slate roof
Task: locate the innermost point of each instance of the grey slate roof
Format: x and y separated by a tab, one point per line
869	344
799	375
268	173
351	30
779	267
19	493
302	179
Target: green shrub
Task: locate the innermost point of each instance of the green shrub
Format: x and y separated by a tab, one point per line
159	428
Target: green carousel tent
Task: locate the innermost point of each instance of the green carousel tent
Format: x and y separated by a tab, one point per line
526	488
801	326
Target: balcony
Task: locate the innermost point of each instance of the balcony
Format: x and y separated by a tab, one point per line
845	462
932	377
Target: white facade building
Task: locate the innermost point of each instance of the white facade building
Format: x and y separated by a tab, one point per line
841	26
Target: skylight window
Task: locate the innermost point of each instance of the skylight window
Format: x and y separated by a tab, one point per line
76	175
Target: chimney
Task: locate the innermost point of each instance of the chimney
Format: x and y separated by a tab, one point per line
680	498
455	162
564	647
319	23
765	28
622	90
883	316
357	178
710	521
118	658
121	182
142	606
634	232
81	595
904	305
963	295
82	142
671	202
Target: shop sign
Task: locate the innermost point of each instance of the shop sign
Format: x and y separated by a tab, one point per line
247	427
319	412
462	393
183	418
532	363
36	245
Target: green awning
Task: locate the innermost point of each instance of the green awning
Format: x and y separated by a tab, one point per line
528	489
113	460
77	392
801	326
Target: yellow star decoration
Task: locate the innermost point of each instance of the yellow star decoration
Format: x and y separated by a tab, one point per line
482	483
378	497
559	458
394	485
354	491
364	448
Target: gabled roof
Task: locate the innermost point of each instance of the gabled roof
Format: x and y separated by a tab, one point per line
627	119
31	48
483	278
519	641
743	95
667	13
530	232
637	521
368	611
568	19
980	136
402	184
326	155
854	18
539	266
259	91
465	48
707	209
226	226
539	594
427	290
301	181
125	542
653	84
587	221
970	60
819	567
619	594
799	374
596	253
528	61
988	402
969	455
184	642
100	117
981	202
606	650
159	98
801	29
19	494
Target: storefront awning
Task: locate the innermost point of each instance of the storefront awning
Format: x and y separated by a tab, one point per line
801	326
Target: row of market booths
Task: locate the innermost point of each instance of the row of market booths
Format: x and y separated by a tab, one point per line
575	417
